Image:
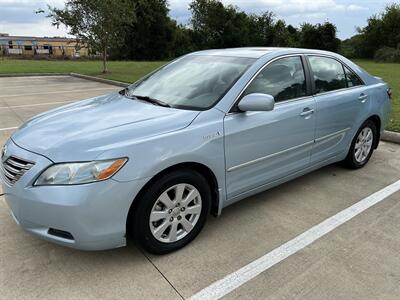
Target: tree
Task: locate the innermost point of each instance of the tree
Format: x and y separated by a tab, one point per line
351	47
183	41
319	36
282	35
150	37
382	30
261	29
218	26
95	22
207	20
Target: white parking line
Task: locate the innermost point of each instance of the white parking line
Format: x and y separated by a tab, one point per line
8	128
38	104
58	92
234	280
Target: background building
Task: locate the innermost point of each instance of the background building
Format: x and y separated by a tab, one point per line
28	46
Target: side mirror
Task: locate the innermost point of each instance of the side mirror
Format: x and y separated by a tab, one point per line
257	102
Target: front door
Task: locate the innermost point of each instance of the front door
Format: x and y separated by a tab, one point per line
261	147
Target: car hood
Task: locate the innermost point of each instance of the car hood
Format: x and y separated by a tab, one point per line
85	129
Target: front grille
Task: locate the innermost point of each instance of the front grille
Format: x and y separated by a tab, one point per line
14	168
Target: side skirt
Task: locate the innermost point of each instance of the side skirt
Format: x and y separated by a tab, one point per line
277	182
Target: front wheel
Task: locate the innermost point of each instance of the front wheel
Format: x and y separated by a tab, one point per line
362	146
172	211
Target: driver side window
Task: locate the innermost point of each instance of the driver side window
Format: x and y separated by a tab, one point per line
284	79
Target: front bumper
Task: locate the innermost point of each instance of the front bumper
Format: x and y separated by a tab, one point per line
94	215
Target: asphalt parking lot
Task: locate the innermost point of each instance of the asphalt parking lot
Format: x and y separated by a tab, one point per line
357	260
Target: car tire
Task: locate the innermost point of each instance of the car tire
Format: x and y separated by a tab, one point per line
171	212
362	146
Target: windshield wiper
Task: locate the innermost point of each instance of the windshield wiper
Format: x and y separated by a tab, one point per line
144	98
151	100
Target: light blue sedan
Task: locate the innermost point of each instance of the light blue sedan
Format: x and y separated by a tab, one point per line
208	129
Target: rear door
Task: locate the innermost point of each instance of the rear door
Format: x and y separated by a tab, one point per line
341	98
261	147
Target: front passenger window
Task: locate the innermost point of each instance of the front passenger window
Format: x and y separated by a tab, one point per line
284	79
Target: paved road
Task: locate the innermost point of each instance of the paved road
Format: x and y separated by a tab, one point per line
358	260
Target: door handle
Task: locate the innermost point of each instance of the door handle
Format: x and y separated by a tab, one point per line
363	98
307	111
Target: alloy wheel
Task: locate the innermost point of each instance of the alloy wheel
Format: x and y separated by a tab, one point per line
363	144
175	213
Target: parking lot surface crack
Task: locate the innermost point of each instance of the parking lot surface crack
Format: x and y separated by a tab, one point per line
159	271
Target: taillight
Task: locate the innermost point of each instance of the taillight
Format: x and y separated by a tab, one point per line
389	92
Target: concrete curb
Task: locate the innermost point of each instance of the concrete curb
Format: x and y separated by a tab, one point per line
102	80
391	136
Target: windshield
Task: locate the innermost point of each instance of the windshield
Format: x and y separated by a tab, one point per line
192	82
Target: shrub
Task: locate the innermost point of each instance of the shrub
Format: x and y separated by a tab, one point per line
388	54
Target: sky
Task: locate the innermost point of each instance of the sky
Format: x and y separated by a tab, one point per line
17	17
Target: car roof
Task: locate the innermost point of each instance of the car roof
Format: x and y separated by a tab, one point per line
257	52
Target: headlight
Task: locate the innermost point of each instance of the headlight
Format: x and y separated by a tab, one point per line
78	173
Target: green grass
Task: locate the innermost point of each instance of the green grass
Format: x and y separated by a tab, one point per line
390	73
126	71
130	71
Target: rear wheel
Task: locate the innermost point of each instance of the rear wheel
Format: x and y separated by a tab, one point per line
362	146
172	212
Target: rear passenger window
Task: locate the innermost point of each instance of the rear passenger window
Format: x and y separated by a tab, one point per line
328	74
284	79
351	78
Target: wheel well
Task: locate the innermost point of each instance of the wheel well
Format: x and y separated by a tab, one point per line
202	169
377	122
